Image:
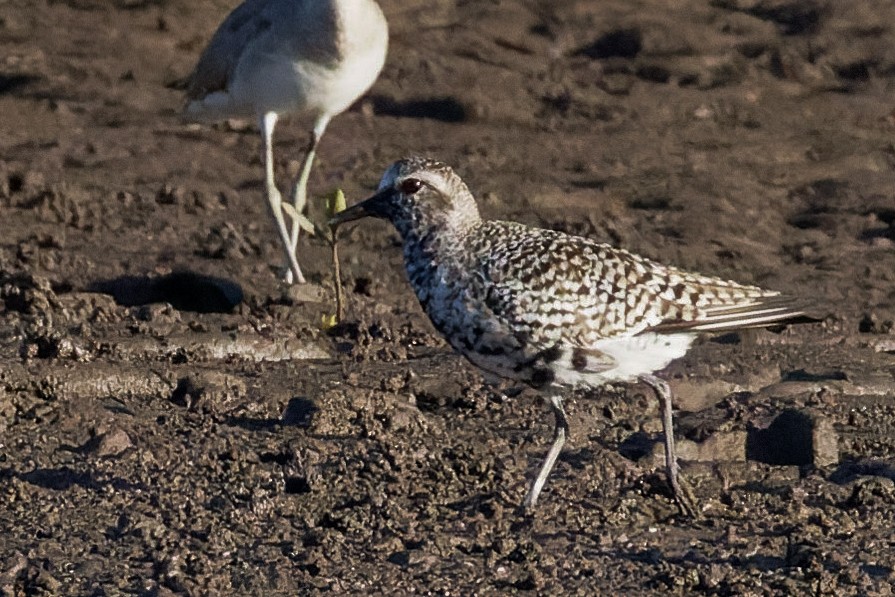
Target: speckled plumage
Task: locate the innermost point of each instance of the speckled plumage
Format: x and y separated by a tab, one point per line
537	305
546	307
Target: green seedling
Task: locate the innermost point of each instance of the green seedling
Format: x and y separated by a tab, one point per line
335	203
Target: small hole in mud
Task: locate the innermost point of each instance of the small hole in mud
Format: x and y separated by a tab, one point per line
298	412
362	285
728	338
652	204
622	43
297	485
857	71
312	569
636	446
786	441
540	29
279	458
16	182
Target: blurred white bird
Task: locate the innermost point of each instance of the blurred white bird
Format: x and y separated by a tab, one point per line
311	58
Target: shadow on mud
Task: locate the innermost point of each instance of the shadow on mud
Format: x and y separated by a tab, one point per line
444	109
298	413
11	84
185	291
850	471
63	478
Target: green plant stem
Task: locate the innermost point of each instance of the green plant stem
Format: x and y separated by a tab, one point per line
337	273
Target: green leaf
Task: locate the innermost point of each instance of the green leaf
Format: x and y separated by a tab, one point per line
328	321
335	203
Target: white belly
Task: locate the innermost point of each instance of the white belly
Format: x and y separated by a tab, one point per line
632	357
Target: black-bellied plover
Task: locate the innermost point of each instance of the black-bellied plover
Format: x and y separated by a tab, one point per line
312	58
548	308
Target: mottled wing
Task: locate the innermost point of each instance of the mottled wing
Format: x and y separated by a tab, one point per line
215	66
554	288
573	291
554	298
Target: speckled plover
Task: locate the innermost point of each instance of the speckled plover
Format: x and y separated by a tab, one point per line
551	309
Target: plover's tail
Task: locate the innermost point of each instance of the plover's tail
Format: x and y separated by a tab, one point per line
756	312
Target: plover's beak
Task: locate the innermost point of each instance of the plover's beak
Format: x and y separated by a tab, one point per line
376	206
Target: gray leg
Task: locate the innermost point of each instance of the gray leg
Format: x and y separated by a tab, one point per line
274	199
560	432
300	190
683	499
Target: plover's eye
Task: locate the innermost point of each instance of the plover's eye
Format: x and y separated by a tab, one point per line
411	186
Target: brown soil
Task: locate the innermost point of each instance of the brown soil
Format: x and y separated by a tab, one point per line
173	421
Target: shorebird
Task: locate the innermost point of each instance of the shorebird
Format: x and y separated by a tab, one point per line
311	58
550	309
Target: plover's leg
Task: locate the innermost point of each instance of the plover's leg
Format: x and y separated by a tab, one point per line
300	190
274	199
560	432
683	498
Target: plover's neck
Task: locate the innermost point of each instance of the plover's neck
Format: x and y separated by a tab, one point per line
436	245
438	234
432	246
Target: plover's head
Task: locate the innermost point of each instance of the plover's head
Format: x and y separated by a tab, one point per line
415	194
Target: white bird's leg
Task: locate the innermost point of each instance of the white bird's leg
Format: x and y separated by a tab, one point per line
682	498
560	432
300	190
274	199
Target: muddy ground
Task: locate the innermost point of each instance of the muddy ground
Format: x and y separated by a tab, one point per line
173	421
